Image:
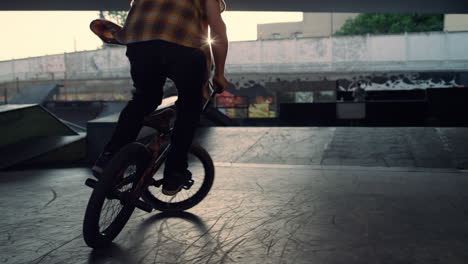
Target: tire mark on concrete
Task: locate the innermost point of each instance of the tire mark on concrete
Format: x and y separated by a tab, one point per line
251	146
41	258
54	197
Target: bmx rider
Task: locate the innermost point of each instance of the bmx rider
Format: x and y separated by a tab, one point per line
169	39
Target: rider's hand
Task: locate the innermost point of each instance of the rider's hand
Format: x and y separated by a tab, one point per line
220	83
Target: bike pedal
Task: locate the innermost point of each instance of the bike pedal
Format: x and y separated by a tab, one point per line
91	183
188	184
157	183
143	206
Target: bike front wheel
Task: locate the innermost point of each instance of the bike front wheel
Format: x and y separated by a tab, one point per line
202	169
108	211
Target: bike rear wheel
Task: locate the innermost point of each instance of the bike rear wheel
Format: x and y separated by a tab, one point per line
202	169
107	212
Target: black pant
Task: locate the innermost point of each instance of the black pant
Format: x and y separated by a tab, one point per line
151	63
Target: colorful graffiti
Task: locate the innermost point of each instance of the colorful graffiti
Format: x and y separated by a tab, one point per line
260	96
262	108
246	104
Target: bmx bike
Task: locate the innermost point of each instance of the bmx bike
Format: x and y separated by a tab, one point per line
133	179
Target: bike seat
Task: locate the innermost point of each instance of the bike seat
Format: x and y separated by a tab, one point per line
105	30
160	121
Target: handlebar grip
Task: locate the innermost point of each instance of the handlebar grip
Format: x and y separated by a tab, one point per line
216	88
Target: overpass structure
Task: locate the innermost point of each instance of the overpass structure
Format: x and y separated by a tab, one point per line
362	6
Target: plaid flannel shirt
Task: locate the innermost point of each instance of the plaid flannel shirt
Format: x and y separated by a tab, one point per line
179	21
183	22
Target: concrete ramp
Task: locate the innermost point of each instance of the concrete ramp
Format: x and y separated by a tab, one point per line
44	150
31	134
22	122
35	94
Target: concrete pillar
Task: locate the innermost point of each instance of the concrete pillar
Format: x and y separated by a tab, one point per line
13	70
407	47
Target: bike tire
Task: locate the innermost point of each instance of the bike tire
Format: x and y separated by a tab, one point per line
133	154
208	170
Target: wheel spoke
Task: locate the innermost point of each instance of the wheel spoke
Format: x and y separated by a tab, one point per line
112	206
111	209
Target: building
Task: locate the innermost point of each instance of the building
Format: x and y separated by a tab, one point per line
456	22
326	24
312	25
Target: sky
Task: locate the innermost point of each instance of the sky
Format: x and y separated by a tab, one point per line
33	33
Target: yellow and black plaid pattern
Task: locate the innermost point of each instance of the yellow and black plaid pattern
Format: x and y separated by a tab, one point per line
179	21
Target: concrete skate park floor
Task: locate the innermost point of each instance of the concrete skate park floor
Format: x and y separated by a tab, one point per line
281	195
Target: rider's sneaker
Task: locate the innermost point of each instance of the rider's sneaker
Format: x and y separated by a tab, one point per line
175	181
101	163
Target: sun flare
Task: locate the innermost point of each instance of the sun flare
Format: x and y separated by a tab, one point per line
209	40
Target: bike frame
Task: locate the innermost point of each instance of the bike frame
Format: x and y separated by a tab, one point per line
158	157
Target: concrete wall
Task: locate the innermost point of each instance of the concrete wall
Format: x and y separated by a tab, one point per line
98	64
409	52
385	53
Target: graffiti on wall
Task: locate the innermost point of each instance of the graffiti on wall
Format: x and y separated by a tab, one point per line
259	96
262	107
253	102
406	81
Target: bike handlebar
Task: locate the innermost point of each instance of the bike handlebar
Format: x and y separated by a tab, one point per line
214	91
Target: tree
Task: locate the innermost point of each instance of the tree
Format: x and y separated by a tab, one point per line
391	24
